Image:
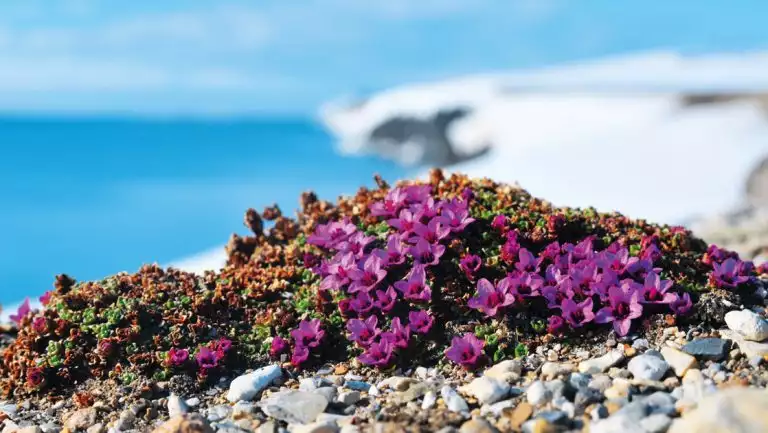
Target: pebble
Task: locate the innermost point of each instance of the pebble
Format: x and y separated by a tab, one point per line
242	409
374	391
246	387
598	412
357	385
601	382
505	371
316	427
679	361
550	370
619	390
453	400
641	344
29	429
498	408
477	425
602	363
430	399
519	414
349	397
398	383
747	323
740	410
188	423
412	393
707	348
81	419
749	348
8	409
486	389
96	428
647	367
539	425
50	427
125	420
294	407
586	396
218	413
176	406
657	423
579	380
193	402
537	393
329	392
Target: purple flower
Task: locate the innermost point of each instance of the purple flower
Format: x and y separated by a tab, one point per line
300	355
525	285
638	268
398	335
603	282
499	223
555	325
655	290
394	200
582	250
206	359
577	315
362	303
624	307
716	254
377	354
549	254
470	264
345	307
554	296
308	333
432	232
395	251
46	298
526	261
221	346
40	325
426	210
331	234
405	222
385	300
726	274
177	357
367	278
355	244
364	332
616	262
278	347
455	216
106	347
426	253
511	247
22	312
339	271
466	350
651	253
682	304
415	287
420	321
490	298
417	193
467	195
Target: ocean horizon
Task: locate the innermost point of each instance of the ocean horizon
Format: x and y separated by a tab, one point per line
92	196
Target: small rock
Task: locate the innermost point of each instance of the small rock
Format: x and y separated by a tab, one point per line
539	425
316	427
579	380
519	414
647	367
357	385
412	393
430	399
641	344
487	389
602	363
398	383
587	396
218	413
242	409
188	423
601	383
176	406
598	412
453	400
537	393
294	407
707	348
81	419
749	348
349	397
96	428
747	323
740	410
30	429
619	390
550	370
657	423
497	408
126	420
329	392
193	402
246	387
679	361
268	427
9	427
477	425
373	391
51	427
505	371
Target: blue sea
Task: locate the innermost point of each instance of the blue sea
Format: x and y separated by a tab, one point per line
91	197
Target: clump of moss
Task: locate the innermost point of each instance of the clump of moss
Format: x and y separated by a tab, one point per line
468	268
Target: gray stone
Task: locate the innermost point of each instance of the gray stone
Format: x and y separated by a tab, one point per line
295	407
218	413
246	387
556	387
487	389
505	371
453	400
176	406
679	361
268	427
602	363
551	370
96	428
598	412
707	348
747	323
315	427
579	380
537	393
749	348
601	383
647	367
586	396
81	419
349	397
553	417
329	392
641	344
496	409
659	403
193	402
429	401
658	423
9	409
413	392
50	427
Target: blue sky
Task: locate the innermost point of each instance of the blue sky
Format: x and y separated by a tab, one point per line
278	56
